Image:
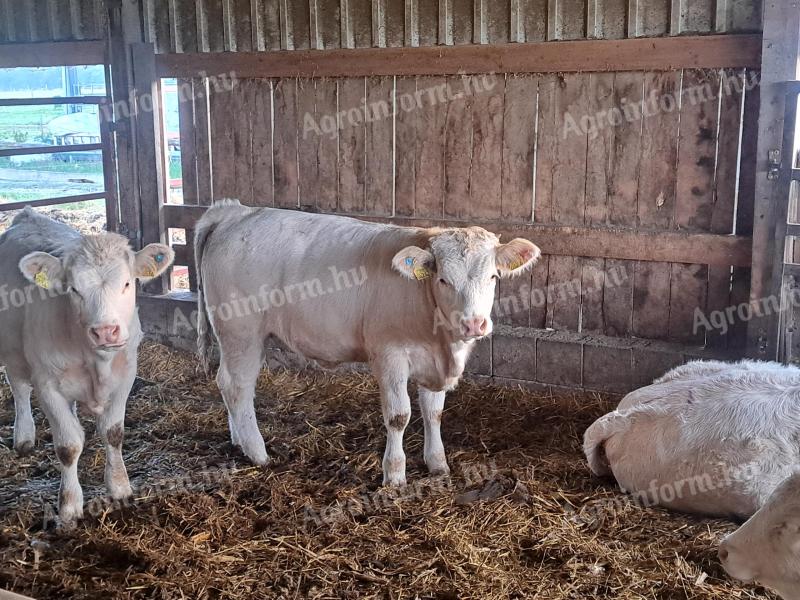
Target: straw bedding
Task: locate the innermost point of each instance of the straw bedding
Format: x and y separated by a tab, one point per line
520	518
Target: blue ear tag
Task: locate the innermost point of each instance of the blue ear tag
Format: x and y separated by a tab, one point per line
159	258
409	261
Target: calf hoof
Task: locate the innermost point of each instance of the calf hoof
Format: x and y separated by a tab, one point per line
24	448
120	492
257	455
394	481
69	516
437	466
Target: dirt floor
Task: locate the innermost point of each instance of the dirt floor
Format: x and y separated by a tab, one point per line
520	518
90	220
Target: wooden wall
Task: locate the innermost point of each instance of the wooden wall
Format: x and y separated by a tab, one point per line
253	25
52	20
501	156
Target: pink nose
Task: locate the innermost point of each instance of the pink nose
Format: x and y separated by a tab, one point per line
106	335
475	326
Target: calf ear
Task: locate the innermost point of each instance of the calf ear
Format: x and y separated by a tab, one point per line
43	269
151	261
414	263
516	256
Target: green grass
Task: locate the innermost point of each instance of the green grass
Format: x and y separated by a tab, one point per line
55	166
7	197
27	121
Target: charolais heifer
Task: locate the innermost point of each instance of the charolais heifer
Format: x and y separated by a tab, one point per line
767	547
708	438
70	331
410	302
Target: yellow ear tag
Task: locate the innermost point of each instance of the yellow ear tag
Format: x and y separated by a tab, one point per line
42	280
515	265
421	273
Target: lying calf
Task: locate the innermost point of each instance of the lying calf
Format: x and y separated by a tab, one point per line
70	331
710	438
767	547
410	302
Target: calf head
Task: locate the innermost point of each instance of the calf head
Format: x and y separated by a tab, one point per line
767	547
462	267
98	274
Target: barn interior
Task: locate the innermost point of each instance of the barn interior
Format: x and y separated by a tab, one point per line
646	146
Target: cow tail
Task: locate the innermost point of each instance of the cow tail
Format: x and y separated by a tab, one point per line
594	441
205	331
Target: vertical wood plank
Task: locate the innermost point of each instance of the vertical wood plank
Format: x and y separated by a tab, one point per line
546	148
729	142
628	90
328	152
458	151
361	16
571	19
270	24
40	21
569	191
301	24
428	22
697	149
564	292
533	17
487	147
242	26
611	19
651	297
352	140
519	142
187	127
223	123
688	286
654	17
697	16
405	146
429	166
718	299
498	22
618	297
601	153
308	142
185	26
744	15
202	141
395	23
379	146
212	25
462	21
284	159
328	25
592	284
656	203
538	295
243	102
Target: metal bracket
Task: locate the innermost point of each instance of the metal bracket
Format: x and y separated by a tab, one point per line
774	164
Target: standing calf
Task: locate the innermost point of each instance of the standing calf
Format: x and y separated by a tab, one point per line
70	331
710	438
410	302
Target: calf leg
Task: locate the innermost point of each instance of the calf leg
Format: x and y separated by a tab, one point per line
236	378
68	440
111	426
396	407
24	428
431	404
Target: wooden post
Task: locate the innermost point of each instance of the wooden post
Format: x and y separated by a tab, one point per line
779	64
150	151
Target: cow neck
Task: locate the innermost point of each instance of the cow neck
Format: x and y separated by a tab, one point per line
445	337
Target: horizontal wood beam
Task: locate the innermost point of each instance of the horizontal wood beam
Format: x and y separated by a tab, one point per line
639	54
49	149
49	101
52	54
52	201
593	242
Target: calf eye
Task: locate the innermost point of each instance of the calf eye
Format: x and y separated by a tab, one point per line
76	292
127	285
443	282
